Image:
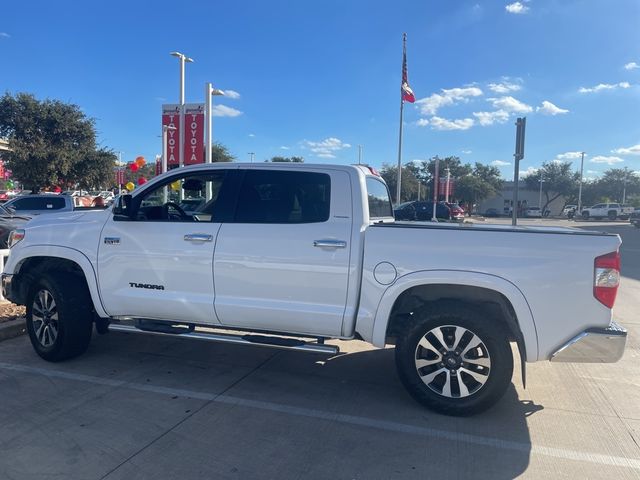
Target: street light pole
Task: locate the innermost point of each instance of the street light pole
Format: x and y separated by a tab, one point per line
183	59
540	197
251	155
580	187
165	129
359	154
624	185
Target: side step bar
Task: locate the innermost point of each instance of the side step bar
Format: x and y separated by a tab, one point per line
255	340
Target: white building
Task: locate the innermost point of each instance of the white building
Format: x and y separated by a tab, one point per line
526	198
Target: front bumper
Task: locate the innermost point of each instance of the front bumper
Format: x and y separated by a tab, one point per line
595	345
7	291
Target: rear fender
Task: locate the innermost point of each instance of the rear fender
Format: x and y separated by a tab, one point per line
455	277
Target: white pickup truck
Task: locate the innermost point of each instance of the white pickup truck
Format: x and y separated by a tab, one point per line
607	210
291	255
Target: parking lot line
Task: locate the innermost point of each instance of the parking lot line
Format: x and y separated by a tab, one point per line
397	427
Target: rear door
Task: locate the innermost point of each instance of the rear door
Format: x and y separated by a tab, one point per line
283	263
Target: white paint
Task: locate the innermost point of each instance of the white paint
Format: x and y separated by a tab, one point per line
561	453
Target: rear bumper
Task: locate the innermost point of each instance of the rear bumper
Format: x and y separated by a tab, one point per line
594	345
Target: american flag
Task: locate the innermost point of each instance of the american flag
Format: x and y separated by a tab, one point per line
407	93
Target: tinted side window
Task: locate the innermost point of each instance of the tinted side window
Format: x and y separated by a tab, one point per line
379	200
268	196
39	203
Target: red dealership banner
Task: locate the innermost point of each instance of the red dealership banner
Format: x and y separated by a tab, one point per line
443	187
171	118
193	133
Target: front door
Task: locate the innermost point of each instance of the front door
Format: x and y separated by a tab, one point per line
160	263
283	263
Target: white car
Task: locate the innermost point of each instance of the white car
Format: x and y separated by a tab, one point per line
298	254
534	212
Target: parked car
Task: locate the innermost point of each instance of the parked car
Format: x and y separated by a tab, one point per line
421	211
569	210
533	212
40	203
325	237
492	212
607	210
456	211
9	221
635	218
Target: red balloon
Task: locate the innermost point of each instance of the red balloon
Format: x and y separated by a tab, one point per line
57	189
142	181
133	167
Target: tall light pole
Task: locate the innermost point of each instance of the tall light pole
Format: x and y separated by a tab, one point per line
447	188
540	197
624	187
359	154
165	129
209	93
580	187
183	59
251	155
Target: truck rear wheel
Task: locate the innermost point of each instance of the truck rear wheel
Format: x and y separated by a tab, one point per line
612	215
454	361
59	316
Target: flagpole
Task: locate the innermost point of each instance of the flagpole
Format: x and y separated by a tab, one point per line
399	181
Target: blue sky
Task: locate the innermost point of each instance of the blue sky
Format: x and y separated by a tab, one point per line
317	79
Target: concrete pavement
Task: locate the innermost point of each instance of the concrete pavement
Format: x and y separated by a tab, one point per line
150	407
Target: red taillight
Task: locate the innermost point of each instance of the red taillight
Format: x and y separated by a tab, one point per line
606	278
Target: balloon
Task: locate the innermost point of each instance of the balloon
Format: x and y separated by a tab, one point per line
57	189
142	181
9	184
133	167
140	161
130	186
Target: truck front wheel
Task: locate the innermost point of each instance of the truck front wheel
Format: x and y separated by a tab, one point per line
454	361
59	316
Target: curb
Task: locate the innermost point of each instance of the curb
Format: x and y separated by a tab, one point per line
12	328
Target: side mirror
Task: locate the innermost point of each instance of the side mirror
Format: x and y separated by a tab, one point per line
122	209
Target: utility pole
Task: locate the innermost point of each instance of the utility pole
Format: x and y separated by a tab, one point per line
624	188
540	198
251	155
359	154
447	188
521	124
580	187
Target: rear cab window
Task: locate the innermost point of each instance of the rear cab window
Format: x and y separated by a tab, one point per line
378	200
39	203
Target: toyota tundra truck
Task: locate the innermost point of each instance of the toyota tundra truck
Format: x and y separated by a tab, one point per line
291	256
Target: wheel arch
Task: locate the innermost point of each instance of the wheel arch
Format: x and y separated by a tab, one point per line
474	288
39	259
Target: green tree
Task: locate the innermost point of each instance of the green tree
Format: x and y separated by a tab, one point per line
483	182
409	182
47	140
558	179
220	153
95	169
287	159
617	183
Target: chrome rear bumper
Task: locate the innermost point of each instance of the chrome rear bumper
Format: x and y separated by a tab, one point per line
595	345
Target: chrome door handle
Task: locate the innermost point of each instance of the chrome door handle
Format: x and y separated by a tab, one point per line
330	243
198	237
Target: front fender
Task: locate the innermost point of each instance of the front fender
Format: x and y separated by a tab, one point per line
455	277
76	256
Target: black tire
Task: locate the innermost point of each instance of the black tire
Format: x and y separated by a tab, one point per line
494	347
61	330
585	215
612	215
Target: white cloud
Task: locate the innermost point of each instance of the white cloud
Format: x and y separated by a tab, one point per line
252	135
438	123
528	171
422	122
327	147
500	163
631	66
549	108
516	8
224	111
489	118
633	150
592	172
504	87
284	148
4	35
431	105
604	86
607	160
231	94
510	104
570	155
466	152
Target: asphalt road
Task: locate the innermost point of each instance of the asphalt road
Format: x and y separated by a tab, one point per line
150	407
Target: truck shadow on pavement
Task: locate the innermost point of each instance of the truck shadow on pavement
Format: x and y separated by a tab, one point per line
352	397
